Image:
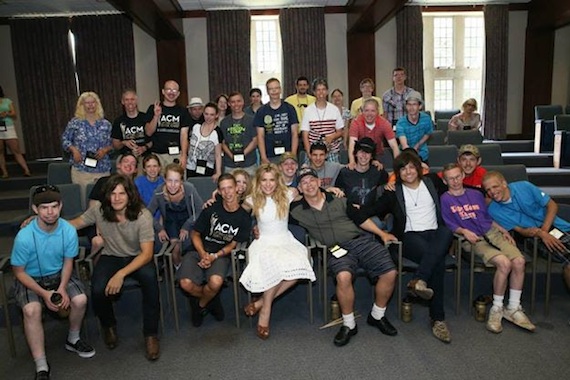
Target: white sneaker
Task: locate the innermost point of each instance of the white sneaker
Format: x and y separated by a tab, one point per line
519	318
494	321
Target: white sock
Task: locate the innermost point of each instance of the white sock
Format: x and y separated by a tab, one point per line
73	336
514	298
498	300
349	321
377	312
41	364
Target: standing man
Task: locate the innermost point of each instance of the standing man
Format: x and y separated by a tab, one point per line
523	207
324	216
465	212
277	125
128	133
394	100
126	228
42	261
216	233
366	89
415	128
322	121
301	99
165	121
196	110
240	137
370	124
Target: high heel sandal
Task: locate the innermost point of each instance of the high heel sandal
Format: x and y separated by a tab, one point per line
251	310
263	332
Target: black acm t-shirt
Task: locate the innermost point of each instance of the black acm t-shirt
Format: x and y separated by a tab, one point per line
127	128
219	227
167	133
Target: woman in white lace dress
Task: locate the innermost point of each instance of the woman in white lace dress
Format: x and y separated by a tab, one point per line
276	259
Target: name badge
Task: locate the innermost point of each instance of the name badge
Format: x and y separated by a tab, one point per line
239	157
338	252
3	127
173	150
201	167
90	160
278	148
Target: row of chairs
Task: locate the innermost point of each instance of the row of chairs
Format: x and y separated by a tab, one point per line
440	155
457	138
549	119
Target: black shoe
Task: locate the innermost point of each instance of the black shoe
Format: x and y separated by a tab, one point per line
216	309
383	324
198	312
343	335
43	375
110	337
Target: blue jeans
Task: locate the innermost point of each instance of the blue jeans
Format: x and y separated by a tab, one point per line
429	249
106	268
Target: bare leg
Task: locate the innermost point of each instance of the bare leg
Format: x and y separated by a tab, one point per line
384	288
517	273
503	266
3	160
34	329
211	289
191	288
268	297
78	305
176	255
15	148
345	292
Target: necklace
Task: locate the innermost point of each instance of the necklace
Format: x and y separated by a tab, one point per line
411	194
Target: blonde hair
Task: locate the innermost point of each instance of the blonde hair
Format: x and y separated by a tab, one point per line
80	109
470	100
247	177
280	196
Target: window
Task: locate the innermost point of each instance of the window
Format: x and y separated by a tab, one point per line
453	58
265	51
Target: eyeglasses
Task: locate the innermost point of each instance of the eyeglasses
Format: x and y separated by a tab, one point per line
44	188
171	90
302	105
470	104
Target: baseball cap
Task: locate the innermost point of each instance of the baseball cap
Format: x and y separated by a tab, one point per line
195	102
365	144
414	95
305	172
46	194
287	155
469	148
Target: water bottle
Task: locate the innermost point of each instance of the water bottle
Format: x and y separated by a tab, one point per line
335	308
406	310
57	300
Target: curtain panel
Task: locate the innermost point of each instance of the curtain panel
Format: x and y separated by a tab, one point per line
410	46
496	71
304	45
46	83
105	56
229	46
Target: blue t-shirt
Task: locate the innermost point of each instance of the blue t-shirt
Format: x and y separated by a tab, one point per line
42	253
526	208
277	124
415	132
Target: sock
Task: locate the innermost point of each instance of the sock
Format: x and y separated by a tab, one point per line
514	298
349	321
498	300
41	364
73	336
377	312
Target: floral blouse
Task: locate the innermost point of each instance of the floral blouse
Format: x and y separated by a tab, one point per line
80	134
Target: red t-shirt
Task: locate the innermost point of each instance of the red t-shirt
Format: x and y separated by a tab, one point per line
382	129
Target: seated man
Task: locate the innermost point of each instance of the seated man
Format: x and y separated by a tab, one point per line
469	159
126	228
217	231
42	261
288	165
327	171
523	207
465	212
325	218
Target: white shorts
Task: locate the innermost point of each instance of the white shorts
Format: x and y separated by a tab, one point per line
9	133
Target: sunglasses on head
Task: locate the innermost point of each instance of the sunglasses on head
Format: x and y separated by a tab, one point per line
44	188
302	105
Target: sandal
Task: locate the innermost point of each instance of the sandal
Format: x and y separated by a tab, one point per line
251	309
263	332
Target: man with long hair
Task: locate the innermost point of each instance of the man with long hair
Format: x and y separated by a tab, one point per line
126	228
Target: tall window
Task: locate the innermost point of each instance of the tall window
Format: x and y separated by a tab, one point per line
265	51
71	39
453	58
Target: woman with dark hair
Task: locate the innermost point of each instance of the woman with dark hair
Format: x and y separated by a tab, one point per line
126	228
255	101
419	225
8	136
222	101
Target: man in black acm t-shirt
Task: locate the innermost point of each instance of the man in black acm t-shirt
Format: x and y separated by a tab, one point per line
128	131
164	122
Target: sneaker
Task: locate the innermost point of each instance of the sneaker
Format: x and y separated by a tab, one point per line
216	309
43	375
519	318
440	331
81	348
494	321
197	312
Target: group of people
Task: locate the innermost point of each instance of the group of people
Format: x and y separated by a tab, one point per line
355	210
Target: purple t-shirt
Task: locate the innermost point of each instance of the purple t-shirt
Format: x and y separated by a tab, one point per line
466	211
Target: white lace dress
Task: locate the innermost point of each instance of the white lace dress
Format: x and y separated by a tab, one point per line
276	255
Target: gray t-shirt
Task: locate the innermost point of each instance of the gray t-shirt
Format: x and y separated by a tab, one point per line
238	133
121	239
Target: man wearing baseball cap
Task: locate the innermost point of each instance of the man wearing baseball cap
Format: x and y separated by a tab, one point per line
288	164
414	129
42	261
469	159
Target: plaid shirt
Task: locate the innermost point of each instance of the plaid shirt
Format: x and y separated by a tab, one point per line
395	104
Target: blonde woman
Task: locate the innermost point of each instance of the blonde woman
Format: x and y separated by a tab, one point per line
87	138
276	259
466	120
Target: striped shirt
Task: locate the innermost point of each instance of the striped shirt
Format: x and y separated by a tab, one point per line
322	122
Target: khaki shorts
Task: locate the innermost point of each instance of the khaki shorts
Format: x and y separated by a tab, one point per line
487	251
